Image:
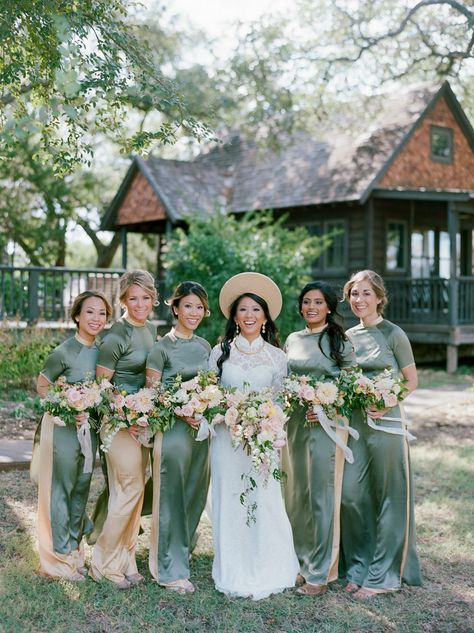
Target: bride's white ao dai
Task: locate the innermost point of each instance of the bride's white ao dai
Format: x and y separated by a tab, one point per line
257	560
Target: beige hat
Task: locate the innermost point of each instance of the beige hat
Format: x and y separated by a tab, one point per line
255	283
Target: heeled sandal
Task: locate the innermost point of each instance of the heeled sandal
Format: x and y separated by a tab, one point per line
181	586
308	589
367	593
135	579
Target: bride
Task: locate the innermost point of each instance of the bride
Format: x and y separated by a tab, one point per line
257	560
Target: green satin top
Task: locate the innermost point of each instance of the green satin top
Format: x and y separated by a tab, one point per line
305	357
172	356
381	346
73	360
124	351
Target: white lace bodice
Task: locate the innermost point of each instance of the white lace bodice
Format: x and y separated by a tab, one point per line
253	365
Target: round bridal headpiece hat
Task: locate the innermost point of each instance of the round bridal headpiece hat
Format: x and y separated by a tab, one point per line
255	283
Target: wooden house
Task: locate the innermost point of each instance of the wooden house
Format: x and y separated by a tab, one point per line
397	193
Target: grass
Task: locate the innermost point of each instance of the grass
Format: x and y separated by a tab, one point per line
443	464
444	473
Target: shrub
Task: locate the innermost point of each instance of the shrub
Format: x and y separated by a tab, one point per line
22	354
217	246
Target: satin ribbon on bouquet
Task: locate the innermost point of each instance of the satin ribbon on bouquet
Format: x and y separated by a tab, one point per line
390	429
328	425
84	437
205	429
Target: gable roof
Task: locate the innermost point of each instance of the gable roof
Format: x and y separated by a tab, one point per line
341	161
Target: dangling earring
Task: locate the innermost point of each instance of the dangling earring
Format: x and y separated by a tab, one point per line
237	329
263	328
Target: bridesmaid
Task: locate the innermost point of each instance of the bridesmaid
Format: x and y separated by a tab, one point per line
313	462
180	463
63	487
122	359
378	528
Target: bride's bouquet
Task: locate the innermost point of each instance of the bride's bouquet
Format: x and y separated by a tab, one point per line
134	409
201	398
257	424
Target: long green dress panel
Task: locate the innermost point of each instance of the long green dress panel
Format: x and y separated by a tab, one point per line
378	529
313	487
180	466
124	350
70	485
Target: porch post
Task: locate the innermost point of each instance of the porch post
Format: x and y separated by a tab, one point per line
123	240
453	227
369	232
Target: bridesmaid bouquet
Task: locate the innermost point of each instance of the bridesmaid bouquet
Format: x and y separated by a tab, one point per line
307	391
133	409
383	391
328	401
257	423
64	400
201	398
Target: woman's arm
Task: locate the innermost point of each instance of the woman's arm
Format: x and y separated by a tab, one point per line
153	377
42	385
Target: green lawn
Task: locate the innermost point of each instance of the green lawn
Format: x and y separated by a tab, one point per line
444	476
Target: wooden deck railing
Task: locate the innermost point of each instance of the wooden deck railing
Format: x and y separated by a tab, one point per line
34	294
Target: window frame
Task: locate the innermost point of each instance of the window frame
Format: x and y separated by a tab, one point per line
447	160
405	246
342	268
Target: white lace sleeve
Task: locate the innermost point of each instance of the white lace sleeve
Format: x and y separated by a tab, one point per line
281	369
214	357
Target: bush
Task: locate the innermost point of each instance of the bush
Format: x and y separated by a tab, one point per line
22	354
216	247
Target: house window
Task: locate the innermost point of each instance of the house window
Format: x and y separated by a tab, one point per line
335	257
396	246
315	230
441	144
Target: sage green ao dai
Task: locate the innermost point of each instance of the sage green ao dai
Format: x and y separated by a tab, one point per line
180	467
124	351
63	487
378	529
314	465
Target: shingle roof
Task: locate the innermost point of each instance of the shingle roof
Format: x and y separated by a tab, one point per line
335	163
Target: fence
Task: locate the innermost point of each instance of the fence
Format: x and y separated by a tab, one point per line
33	294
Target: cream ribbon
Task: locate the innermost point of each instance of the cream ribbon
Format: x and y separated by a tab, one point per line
390	429
328	424
205	429
84	437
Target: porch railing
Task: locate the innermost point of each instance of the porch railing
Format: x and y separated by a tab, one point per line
434	301
33	293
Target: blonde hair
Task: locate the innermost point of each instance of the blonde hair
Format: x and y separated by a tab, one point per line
375	281
141	278
87	294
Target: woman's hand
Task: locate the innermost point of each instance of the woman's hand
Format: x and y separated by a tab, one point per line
193	423
135	431
81	418
311	416
375	413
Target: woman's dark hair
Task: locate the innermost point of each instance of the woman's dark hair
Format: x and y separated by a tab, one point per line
79	302
270	335
184	289
334	330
